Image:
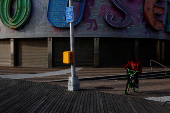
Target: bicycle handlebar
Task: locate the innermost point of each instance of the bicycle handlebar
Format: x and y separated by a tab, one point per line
134	72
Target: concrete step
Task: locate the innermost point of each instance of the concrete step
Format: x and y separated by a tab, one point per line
150	75
143	76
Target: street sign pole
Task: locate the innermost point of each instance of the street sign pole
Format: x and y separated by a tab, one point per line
73	83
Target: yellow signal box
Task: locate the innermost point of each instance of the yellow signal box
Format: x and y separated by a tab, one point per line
68	57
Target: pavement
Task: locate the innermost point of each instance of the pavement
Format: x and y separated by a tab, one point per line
27	90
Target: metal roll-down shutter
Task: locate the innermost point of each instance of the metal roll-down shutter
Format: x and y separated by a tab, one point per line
115	52
84	51
32	52
5	52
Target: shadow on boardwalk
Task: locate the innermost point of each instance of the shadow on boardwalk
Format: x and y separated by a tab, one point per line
27	97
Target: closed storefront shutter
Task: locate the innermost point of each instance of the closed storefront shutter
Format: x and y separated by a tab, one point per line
147	51
84	51
5	53
32	52
167	53
60	44
115	52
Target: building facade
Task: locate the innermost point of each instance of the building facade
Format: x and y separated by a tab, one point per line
107	33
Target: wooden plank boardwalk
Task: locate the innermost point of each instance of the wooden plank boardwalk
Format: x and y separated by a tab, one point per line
18	96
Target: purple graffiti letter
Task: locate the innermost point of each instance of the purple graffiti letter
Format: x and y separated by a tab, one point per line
128	17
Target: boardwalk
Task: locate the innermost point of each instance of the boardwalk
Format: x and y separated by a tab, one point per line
45	94
19	96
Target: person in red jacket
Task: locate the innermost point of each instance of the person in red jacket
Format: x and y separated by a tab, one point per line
135	65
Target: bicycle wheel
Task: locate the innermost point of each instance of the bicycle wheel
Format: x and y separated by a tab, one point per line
127	88
135	89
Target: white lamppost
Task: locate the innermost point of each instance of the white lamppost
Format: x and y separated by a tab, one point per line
73	82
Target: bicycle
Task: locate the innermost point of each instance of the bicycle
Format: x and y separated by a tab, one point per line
131	83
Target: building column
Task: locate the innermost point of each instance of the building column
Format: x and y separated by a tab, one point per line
96	52
158	51
49	52
136	48
163	52
12	52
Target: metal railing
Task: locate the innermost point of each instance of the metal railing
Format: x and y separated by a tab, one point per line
159	64
165	102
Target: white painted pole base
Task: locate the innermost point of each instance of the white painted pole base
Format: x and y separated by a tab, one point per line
73	83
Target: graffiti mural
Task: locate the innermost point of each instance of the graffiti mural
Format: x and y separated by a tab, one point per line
150	10
92	23
128	16
87	14
56	13
168	17
134	6
19	18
